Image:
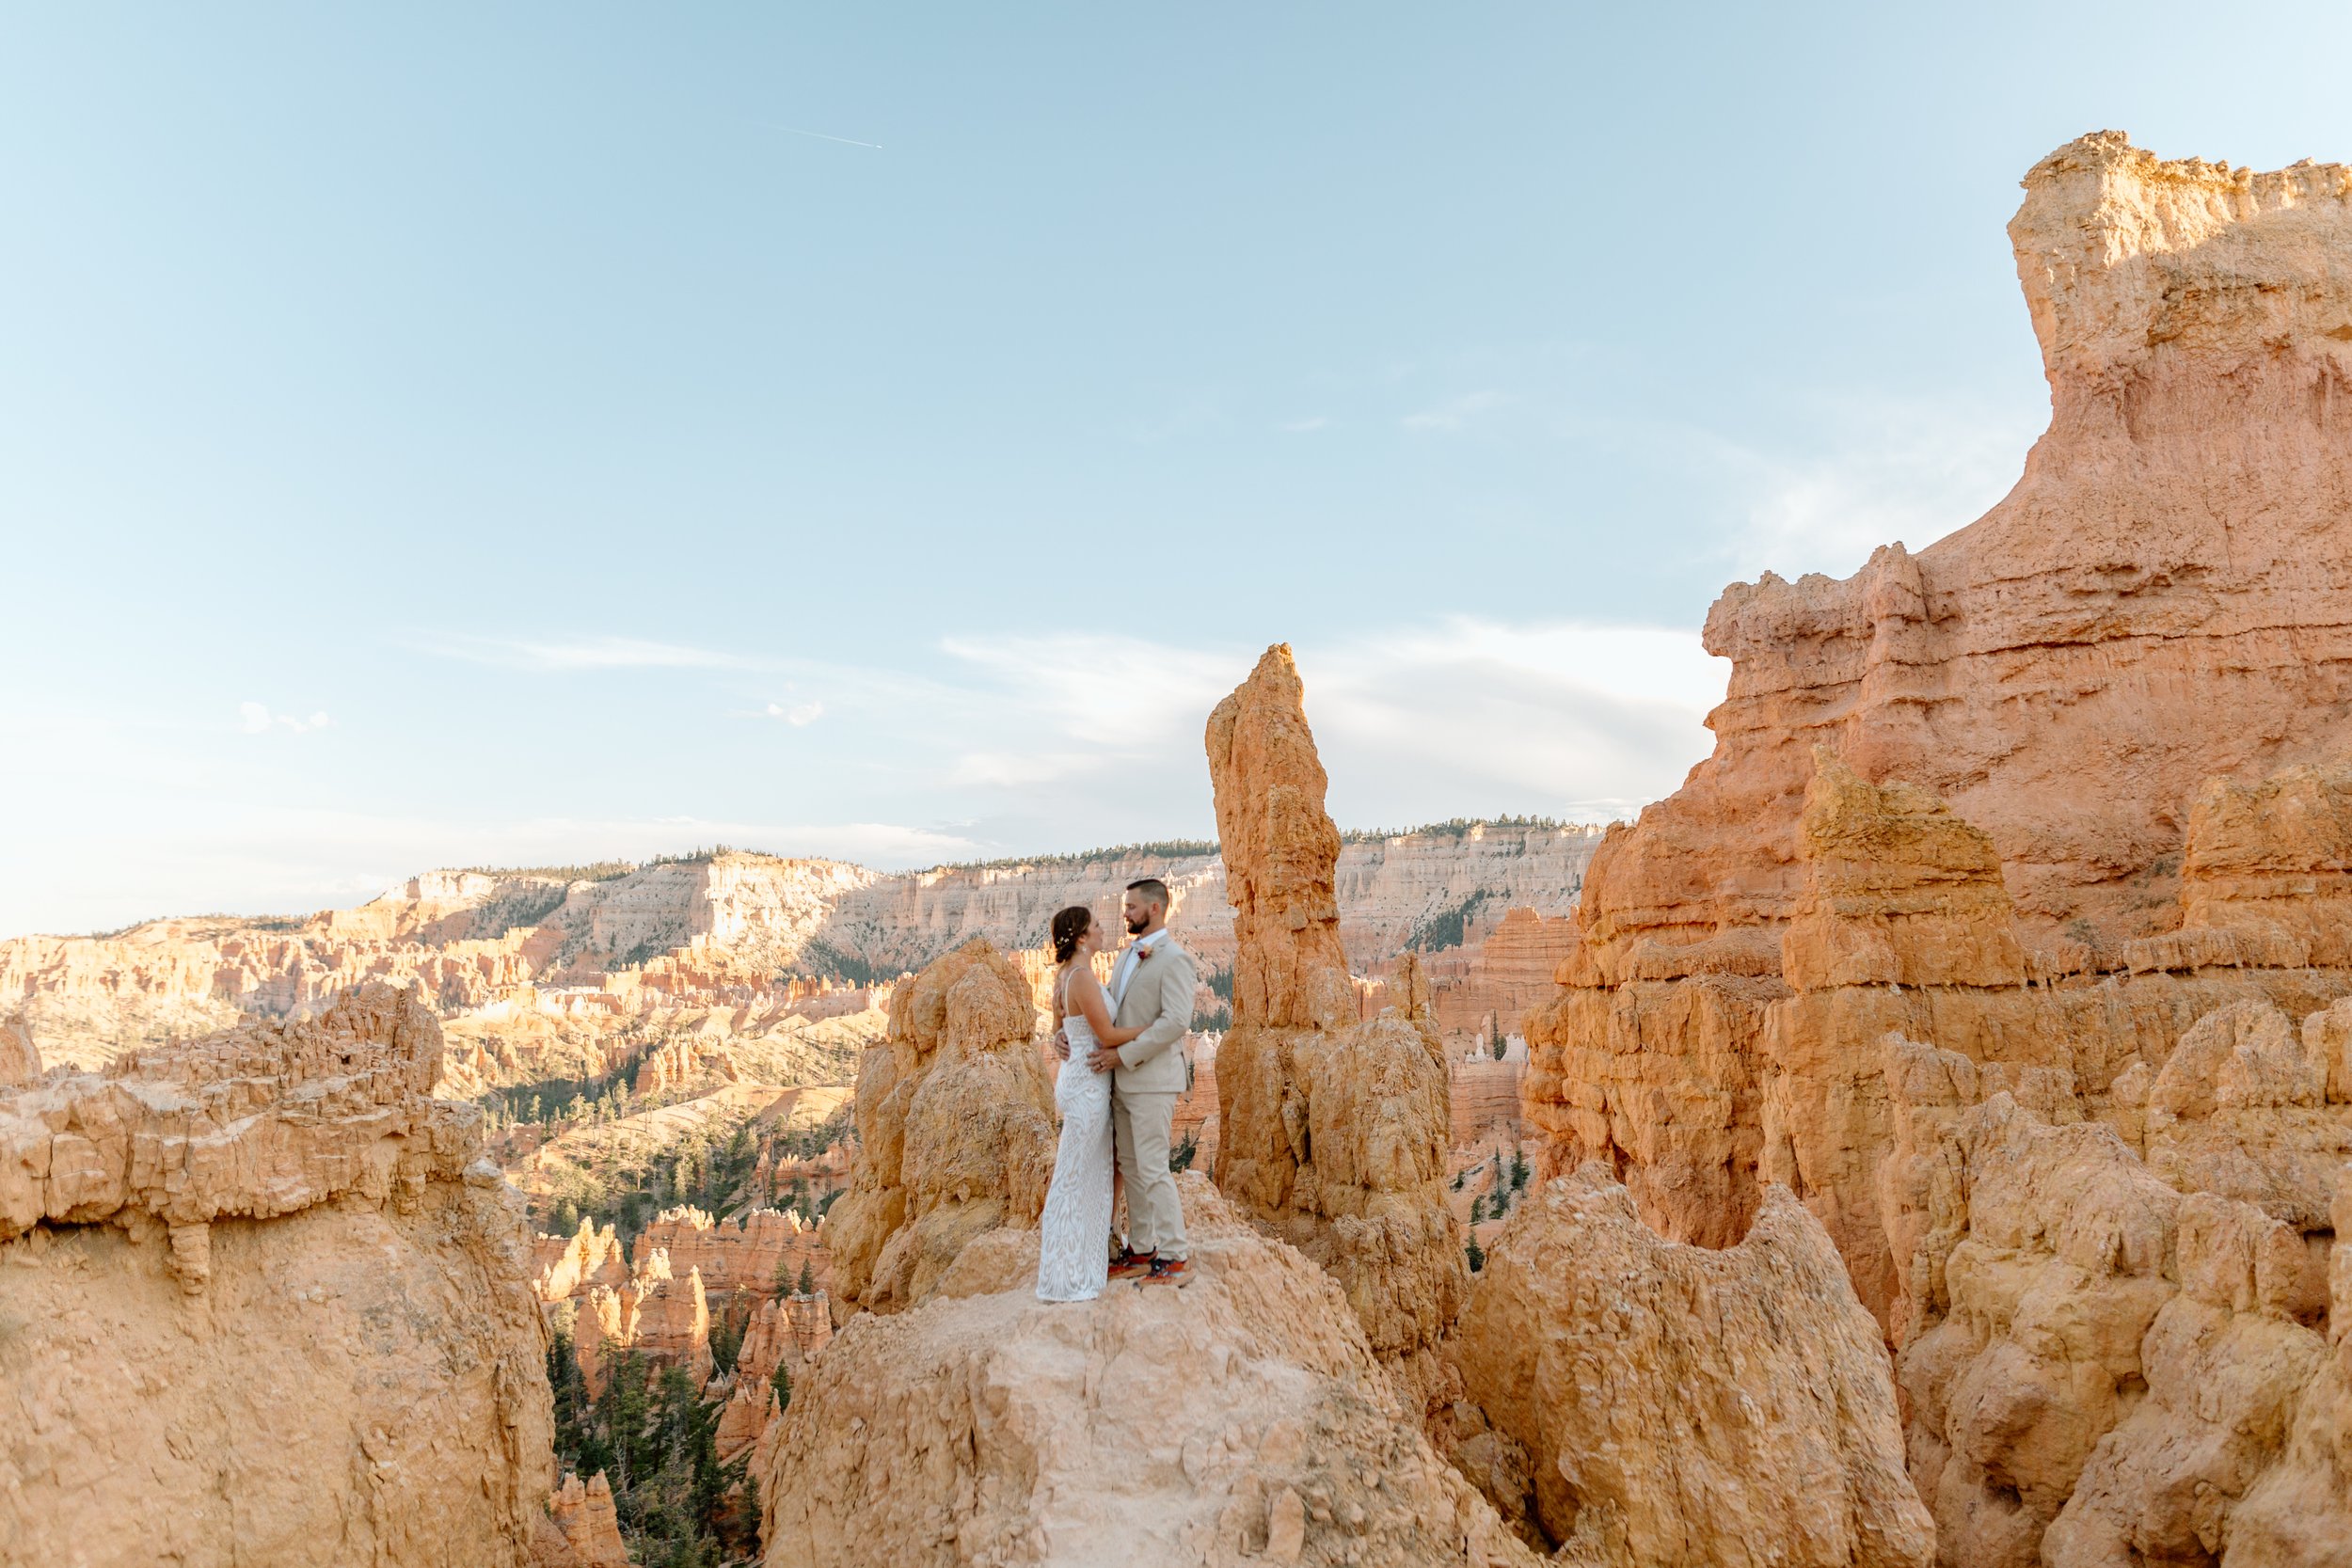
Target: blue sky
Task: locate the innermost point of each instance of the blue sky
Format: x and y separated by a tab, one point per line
500	434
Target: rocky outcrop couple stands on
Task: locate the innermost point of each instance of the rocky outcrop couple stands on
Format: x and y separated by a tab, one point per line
1123	1069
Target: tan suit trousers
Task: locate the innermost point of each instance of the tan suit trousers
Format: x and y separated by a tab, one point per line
1140	1132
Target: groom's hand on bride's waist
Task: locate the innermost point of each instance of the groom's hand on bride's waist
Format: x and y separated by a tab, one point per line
1061	1044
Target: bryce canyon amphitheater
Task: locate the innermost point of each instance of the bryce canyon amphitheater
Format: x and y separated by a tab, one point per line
1940	1108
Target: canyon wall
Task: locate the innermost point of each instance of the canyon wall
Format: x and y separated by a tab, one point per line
562	975
262	1301
2044	800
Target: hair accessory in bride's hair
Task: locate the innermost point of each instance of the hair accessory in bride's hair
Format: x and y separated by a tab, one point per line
1069	928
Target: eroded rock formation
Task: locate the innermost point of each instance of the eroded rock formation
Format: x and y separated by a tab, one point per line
2107	1357
587	1529
269	1268
955	1116
2060	801
563	972
1332	1133
1242	1418
2177	530
20	1059
1643	1402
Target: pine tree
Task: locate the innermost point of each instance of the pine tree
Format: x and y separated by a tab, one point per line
781	1381
1478	1211
1476	1253
808	1280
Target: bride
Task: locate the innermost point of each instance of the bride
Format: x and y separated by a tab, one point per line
1074	1248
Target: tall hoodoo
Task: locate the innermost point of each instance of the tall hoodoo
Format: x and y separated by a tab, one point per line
1332	1134
2037	801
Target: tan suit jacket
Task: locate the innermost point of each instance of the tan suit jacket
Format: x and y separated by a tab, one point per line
1158	1000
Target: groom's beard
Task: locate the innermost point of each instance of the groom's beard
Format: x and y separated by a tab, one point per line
1135	928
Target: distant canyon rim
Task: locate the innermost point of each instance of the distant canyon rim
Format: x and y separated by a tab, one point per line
1924	1138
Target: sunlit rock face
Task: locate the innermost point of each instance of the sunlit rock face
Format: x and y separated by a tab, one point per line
955	1116
266	1301
2061	800
2112	1358
1332	1134
1241	1419
1637	1401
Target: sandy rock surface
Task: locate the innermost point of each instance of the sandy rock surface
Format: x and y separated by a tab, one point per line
1240	1419
1643	1402
270	1277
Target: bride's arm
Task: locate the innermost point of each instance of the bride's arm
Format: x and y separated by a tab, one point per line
1087	992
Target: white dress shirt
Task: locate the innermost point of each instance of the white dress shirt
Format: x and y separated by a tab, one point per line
1129	963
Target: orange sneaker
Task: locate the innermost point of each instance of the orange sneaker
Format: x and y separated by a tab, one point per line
1166	1270
1135	1266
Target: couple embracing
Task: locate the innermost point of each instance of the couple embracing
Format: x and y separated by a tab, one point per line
1122	1069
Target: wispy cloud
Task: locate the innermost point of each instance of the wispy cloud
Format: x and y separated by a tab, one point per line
573	654
257	719
799	715
1454	413
1431	719
1892	470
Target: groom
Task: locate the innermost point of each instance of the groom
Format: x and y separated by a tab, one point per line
1151	989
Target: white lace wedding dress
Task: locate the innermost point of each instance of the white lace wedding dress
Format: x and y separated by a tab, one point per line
1073	1242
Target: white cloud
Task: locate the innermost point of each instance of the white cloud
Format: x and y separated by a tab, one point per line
257	719
1010	743
583	653
1112	693
799	715
1454	717
1454	413
1894	469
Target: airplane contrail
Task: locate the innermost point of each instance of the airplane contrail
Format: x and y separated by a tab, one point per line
846	141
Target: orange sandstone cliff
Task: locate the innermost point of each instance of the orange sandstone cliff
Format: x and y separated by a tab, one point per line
2044	802
265	1301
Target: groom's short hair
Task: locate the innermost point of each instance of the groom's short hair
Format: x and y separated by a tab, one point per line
1154	889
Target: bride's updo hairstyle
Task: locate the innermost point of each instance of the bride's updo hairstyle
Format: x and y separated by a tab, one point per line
1069	928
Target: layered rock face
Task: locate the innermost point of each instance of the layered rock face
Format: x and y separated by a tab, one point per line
1488	987
555	974
1391	888
2154	613
270	1277
663	1316
1332	1134
749	1253
2062	802
955	1116
1241	1419
1643	1402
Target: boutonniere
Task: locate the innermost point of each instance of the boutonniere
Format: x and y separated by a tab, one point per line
1142	954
